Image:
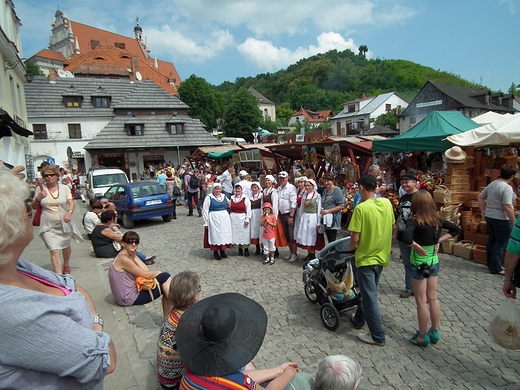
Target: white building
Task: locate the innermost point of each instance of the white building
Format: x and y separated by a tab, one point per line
14	146
360	114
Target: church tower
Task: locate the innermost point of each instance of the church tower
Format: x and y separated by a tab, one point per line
62	38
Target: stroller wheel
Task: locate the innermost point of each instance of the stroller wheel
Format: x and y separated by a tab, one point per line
329	316
310	292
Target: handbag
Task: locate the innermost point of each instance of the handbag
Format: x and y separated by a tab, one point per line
38	214
147	284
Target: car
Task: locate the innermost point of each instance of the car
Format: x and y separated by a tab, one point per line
141	200
100	178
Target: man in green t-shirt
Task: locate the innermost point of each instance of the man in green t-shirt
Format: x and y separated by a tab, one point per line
511	261
372	225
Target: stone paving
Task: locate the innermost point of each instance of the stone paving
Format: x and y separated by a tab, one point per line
464	358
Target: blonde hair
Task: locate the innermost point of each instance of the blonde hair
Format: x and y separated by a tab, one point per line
13	193
183	290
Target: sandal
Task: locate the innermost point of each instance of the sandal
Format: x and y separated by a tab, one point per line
425	337
66	270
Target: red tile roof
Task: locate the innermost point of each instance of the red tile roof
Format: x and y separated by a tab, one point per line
109	60
309	115
86	34
50	54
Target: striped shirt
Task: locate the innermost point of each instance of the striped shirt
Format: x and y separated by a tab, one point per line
234	381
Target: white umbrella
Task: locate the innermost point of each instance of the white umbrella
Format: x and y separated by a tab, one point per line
499	133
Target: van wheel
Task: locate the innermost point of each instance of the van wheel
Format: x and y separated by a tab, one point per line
167	218
127	222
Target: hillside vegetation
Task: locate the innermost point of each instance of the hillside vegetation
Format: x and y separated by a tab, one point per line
326	81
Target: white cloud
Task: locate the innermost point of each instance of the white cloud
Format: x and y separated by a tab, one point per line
268	57
270	17
175	43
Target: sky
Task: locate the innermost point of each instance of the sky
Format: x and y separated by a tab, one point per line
220	40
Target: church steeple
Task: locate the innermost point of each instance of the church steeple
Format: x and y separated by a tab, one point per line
138	31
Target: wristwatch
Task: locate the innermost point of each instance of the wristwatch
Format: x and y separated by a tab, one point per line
97	319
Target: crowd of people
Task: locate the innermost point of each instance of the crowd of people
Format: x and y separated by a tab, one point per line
204	342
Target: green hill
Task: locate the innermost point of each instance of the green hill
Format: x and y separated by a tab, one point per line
325	81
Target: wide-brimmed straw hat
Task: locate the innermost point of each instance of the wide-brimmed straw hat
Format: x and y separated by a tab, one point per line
455	154
221	334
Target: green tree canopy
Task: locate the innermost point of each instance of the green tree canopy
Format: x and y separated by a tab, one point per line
284	113
33	69
389	119
242	116
200	96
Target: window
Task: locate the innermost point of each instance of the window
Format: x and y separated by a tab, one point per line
40	131
134	130
101	102
72	101
74	131
175	129
388	107
412	120
351	108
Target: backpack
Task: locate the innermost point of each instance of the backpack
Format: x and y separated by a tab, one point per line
176	192
194	182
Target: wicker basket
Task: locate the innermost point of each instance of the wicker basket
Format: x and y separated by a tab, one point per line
479	254
482	227
472	195
476	218
463	249
494	174
447	246
456	179
471	203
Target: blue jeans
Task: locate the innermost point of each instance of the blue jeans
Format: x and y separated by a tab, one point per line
406	252
141	256
499	231
368	308
195	196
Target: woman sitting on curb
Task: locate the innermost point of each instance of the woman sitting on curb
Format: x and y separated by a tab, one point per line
123	271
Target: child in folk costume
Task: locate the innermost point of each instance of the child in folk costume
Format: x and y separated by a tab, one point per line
256	214
268	222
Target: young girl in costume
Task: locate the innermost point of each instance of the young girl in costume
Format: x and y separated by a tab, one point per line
268	222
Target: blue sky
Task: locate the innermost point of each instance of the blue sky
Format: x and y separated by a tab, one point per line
221	40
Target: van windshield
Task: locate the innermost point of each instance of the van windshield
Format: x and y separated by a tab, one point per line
108	180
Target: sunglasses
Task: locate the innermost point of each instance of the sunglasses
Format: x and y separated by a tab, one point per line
49	175
136	242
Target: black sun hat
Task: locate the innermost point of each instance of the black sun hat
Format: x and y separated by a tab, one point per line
221	334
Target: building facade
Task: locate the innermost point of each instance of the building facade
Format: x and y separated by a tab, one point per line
14	145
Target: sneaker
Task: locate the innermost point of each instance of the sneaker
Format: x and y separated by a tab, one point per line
293	258
367	338
288	256
353	323
267	261
271	262
406	294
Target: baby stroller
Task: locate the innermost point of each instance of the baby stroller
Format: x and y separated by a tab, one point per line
329	280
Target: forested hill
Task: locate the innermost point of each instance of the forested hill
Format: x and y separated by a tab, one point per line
325	81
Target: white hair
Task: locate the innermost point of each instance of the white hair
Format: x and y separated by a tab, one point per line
13	193
337	372
373	168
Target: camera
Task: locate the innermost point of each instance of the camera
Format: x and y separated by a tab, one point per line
425	270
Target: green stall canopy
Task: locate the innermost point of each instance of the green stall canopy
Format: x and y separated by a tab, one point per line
429	135
227	154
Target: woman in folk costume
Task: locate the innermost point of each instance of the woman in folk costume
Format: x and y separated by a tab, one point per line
307	236
299	182
217	224
256	214
240	215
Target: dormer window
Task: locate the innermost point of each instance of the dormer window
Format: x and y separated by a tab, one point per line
351	108
120	45
134	130
175	128
101	102
72	101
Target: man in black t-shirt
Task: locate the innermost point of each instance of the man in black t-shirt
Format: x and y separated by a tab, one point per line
409	184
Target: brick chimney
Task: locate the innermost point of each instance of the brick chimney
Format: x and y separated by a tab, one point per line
135	67
362	95
52	76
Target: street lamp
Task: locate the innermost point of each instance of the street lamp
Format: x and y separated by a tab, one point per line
8	64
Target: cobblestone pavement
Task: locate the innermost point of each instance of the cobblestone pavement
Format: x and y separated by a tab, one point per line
465	358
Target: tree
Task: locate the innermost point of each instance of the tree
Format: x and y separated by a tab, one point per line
33	69
284	113
363	49
512	89
389	119
200	96
242	116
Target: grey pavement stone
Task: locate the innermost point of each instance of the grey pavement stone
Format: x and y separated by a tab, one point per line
464	358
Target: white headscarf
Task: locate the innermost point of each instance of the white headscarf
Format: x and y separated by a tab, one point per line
271	177
313	183
258	184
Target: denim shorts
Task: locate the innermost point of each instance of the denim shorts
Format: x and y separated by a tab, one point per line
417	274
